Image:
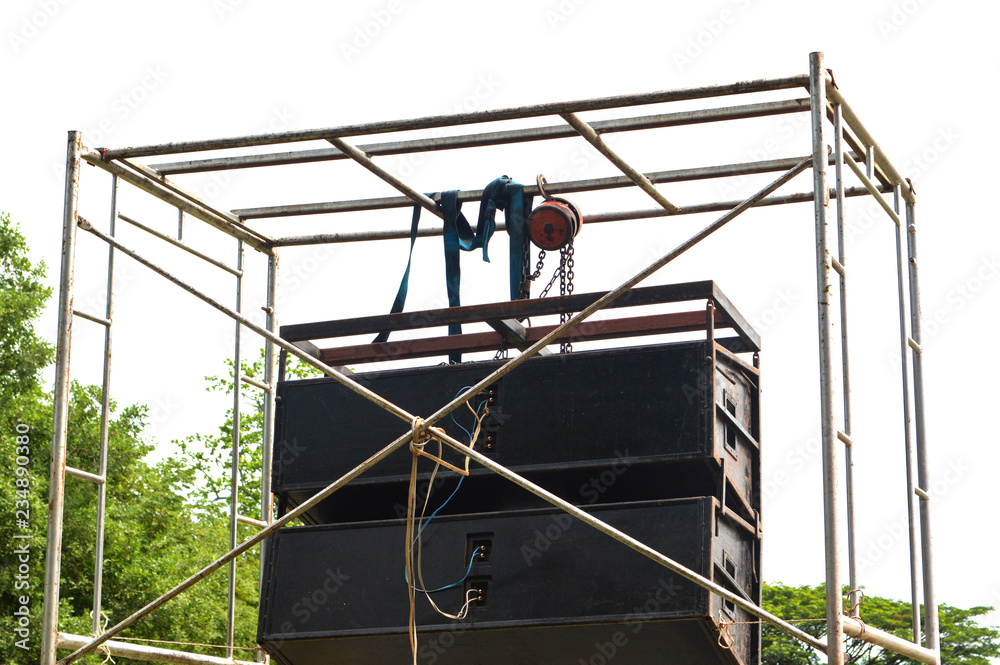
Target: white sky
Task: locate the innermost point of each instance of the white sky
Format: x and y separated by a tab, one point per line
129	73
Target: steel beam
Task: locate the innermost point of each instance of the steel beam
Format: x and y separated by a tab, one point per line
521	309
657	324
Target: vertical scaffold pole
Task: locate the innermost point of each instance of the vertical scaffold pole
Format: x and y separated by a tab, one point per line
234	478
831	517
852	555
102	489
60	409
923	473
270	378
911	496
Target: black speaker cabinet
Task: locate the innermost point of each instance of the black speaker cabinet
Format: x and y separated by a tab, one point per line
691	405
553	590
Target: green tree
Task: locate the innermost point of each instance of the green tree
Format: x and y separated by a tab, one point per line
210	456
22	299
154	535
963	640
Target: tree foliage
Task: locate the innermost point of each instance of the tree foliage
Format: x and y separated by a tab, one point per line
154	537
964	641
210	456
22	299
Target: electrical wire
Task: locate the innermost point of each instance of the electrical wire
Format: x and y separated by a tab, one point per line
468	571
416	446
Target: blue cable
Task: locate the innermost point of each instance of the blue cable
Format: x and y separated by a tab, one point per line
481	405
438	509
445	503
460	478
455	584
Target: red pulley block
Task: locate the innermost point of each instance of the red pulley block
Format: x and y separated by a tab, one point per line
554	223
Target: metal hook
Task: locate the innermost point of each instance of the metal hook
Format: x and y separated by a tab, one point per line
541	182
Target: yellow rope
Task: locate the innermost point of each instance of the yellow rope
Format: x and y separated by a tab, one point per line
421	435
104	647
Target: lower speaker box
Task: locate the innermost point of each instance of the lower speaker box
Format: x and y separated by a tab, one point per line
550	589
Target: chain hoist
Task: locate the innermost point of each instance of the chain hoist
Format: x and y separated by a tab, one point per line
554	223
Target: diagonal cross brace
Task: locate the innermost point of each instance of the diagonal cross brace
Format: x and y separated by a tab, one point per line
641	181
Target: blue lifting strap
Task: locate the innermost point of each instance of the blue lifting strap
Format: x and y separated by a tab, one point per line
404	284
501	194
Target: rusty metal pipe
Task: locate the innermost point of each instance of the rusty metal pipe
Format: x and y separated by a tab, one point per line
641	181
488	138
179	243
228	224
432	122
364	160
430	231
61	395
567	187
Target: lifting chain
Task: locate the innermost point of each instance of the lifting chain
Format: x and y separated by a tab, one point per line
527	279
566	275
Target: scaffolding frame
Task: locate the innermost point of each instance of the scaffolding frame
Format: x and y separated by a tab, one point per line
828	110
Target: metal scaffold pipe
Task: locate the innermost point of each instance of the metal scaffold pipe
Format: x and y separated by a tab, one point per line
147	653
641	181
911	497
487	138
473	117
854	122
61	395
831	512
923	465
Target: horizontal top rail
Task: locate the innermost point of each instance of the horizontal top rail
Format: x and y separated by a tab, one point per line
431	122
505	137
519	309
565	187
